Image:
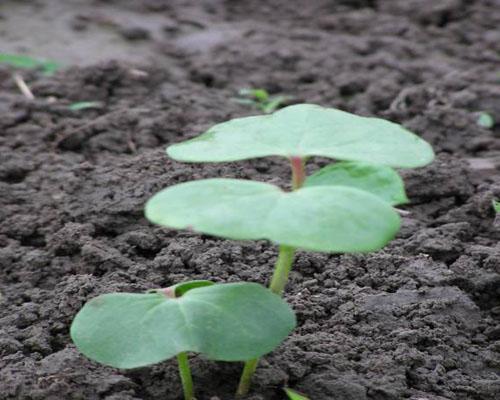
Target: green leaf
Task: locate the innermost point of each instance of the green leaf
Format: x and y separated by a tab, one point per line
496	206
82	105
321	218
27	62
246	102
182	288
229	322
258	94
380	180
307	130
293	395
485	120
273	104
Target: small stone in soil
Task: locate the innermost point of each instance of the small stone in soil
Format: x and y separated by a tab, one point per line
135	33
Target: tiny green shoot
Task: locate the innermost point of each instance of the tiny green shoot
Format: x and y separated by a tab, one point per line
485	120
496	206
83	105
48	67
345	207
130	330
261	100
293	395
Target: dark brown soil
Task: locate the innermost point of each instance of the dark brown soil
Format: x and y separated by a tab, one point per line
417	320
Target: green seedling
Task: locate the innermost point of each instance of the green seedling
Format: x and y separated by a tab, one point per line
48	67
130	330
380	180
83	105
345	207
293	395
261	100
496	206
485	120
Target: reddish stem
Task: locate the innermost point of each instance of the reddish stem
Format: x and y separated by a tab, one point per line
298	172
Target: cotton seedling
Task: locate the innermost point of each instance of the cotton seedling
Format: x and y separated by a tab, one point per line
261	100
48	67
84	105
496	206
346	207
130	330
293	395
485	120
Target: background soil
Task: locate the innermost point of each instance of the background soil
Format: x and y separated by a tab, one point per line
418	320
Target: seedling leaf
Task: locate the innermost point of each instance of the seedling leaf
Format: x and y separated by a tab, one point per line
293	395
258	94
485	120
380	180
26	62
260	99
127	330
307	130
320	218
273	103
496	206
182	288
82	105
246	102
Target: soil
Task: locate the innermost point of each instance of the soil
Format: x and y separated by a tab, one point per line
419	319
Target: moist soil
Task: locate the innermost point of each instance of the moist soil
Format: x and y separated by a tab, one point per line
416	320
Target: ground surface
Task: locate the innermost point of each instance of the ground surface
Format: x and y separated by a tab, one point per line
418	320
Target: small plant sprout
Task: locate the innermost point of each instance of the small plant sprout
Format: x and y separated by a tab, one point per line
496	206
48	67
261	99
293	395
84	105
19	61
485	120
229	322
345	207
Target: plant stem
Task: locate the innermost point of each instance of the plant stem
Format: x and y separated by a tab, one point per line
278	281
282	269
246	377
280	275
298	172
186	378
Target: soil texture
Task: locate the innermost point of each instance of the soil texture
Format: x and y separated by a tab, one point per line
417	320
